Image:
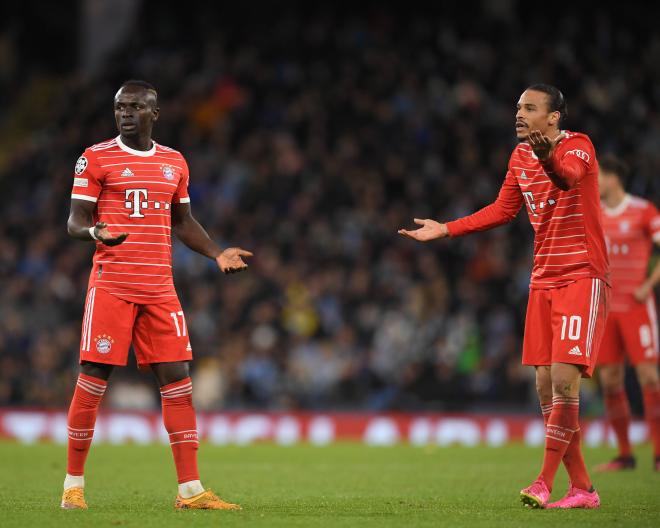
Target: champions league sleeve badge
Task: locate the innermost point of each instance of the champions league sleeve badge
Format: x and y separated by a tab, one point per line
81	165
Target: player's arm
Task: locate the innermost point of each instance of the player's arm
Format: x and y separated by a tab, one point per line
193	235
644	290
501	211
566	166
81	224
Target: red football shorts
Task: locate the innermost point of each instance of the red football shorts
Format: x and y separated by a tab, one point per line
566	325
158	332
632	334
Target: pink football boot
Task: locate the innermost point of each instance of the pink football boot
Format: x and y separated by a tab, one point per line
577	498
536	495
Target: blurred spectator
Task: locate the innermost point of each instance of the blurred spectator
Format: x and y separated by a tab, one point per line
311	138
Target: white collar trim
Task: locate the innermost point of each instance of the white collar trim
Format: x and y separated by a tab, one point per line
616	211
143	153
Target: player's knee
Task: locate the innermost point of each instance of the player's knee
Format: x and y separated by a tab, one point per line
167	373
647	375
611	385
544	389
611	379
564	386
97	370
543	383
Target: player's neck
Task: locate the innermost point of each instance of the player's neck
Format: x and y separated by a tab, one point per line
614	198
553	132
138	143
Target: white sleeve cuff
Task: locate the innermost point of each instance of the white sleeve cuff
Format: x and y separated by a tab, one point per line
83	197
184	200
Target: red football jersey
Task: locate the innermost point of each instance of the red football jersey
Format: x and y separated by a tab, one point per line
630	230
134	191
569	244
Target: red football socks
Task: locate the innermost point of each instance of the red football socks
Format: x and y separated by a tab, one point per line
546	409
180	422
618	413
574	462
573	459
562	425
81	420
652	415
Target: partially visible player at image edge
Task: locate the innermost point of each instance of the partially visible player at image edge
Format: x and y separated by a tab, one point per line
555	174
632	226
129	195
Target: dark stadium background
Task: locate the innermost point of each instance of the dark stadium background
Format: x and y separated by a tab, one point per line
312	132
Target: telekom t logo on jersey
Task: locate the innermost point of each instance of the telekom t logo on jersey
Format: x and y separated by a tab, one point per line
136	199
533	205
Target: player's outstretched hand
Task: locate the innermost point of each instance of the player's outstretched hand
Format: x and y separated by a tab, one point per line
106	237
430	230
543	145
230	261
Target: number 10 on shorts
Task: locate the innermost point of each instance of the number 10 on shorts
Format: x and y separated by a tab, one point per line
574	324
179	327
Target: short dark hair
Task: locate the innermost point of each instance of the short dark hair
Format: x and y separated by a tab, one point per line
140	84
556	100
613	165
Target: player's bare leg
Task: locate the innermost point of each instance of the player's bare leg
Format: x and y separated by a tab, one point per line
544	384
87	396
179	420
618	414
649	381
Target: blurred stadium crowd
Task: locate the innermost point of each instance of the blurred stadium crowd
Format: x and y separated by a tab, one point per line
311	137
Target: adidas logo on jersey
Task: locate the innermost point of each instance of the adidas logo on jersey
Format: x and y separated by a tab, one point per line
127	172
523	176
575	351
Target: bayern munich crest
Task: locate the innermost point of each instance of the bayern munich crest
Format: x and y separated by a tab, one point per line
103	343
168	172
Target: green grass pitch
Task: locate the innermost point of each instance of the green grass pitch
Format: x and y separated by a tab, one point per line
339	486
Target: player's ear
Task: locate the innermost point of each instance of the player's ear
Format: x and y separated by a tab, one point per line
155	113
553	118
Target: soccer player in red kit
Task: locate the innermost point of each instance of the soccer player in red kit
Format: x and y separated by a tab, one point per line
632	226
129	195
554	173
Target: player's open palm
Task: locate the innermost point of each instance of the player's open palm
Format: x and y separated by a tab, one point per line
230	260
104	235
542	145
430	230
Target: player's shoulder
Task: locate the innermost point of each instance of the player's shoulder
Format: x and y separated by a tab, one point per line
521	148
94	151
163	149
637	202
102	146
90	155
578	144
573	137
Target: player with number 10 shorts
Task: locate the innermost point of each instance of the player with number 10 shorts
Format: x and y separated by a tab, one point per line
554	173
